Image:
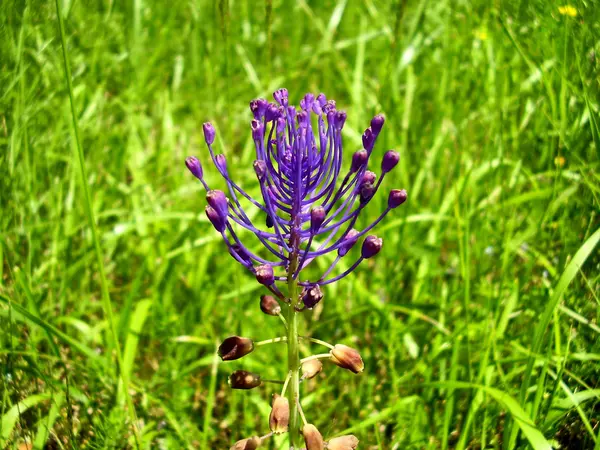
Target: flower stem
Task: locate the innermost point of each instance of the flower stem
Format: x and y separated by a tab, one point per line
293	358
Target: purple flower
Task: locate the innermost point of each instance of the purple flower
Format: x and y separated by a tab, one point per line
309	200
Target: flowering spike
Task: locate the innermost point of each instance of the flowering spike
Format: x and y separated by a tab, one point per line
215	218
209	133
218	201
347	358
241	379
235	347
269	305
396	198
194	166
264	274
389	161
371	246
280	414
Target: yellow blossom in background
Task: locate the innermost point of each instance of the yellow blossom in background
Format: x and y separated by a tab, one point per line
481	34
559	161
567	10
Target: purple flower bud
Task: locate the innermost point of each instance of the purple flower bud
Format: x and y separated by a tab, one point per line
329	106
235	347
241	379
396	198
348	242
241	253
258	107
209	133
307	102
272	112
265	275
247	444
218	222
369	177
368	140
322	100
291	112
269	222
258	130
367	190
218	201
389	161
281	96
316	108
194	166
340	119
371	246
317	217
359	159
260	167
311	295
280	126
221	163
377	124
269	305
302	119
347	358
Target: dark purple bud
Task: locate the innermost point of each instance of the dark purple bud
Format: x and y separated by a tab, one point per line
312	438
281	96
209	133
272	112
371	246
359	159
247	444
269	222
241	379
269	305
377	123
368	140
260	167
396	198
265	275
367	190
218	201
221	163
389	161
258	130
235	347
194	166
340	119
348	242
317	217
369	177
281	125
347	358
311	295
322	100
218	222
258	107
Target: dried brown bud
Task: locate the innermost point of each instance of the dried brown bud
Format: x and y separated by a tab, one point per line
235	347
312	437
348	442
247	444
311	368
241	379
347	358
280	414
269	305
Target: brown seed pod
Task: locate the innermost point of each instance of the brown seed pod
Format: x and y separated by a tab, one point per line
347	358
235	347
241	379
247	444
269	305
348	442
311	369
312	437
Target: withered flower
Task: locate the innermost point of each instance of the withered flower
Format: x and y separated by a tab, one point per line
347	358
312	437
234	347
279	418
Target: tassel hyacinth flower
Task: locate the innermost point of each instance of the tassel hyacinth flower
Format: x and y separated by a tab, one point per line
310	204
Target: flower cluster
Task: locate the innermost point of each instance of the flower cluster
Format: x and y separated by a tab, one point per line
308	213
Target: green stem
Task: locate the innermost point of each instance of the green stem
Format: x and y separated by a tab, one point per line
293	358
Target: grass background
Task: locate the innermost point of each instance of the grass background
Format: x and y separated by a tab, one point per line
478	322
